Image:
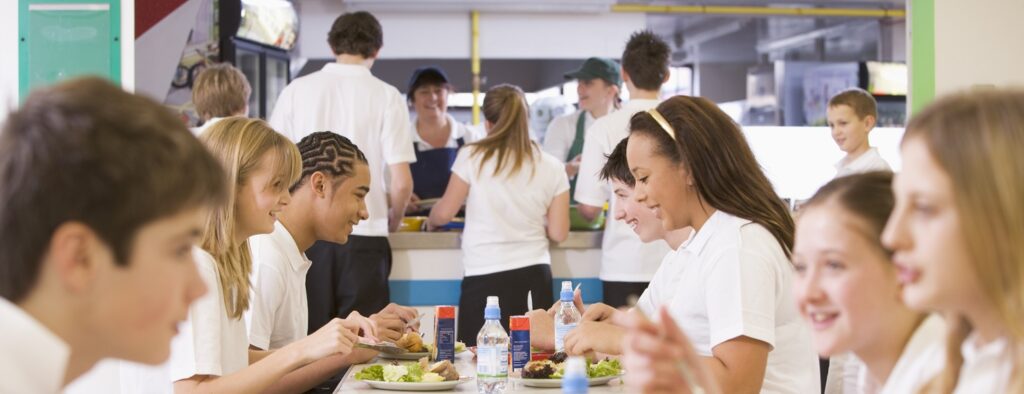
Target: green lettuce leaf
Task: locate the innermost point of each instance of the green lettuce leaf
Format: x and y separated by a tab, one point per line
373	372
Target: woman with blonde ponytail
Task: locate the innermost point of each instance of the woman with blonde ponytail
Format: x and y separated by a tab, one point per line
212	353
517	199
956	234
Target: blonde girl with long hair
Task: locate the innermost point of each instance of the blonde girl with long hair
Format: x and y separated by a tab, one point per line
956	234
517	201
212	353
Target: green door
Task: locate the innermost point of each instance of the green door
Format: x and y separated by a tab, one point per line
61	39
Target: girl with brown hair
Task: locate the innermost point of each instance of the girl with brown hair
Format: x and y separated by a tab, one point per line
694	168
517	201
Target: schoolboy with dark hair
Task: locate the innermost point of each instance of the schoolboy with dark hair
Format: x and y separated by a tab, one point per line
102	196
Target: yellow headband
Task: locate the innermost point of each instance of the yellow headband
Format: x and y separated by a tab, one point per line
662	122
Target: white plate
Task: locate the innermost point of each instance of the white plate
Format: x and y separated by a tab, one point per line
555	383
403	356
409	356
406	386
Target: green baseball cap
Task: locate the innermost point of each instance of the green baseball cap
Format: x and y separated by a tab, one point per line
597	68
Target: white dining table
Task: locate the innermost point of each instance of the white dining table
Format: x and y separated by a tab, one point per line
466	366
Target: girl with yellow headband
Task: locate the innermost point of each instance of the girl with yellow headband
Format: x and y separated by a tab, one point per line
693	167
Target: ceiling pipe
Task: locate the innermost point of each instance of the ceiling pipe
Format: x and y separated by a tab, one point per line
760	11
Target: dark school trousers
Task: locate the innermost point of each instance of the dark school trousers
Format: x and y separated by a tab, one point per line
511	287
346	278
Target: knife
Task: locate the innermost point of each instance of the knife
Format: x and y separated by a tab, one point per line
383	347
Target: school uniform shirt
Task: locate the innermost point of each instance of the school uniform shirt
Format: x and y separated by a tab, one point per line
209	342
663	286
506	213
921	360
32	358
348	100
456	130
986	368
199	130
278	312
562	132
736	281
867	162
624	258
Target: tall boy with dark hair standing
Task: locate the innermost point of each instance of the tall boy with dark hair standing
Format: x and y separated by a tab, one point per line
346	98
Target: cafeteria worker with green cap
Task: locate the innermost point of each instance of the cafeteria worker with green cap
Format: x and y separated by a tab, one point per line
598	87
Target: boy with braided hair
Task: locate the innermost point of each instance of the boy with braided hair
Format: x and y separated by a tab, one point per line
326	202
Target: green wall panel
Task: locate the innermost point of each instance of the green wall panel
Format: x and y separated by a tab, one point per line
61	39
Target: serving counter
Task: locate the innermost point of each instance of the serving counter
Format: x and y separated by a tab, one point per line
427	268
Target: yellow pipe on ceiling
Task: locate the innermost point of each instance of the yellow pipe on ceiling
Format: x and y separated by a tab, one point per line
475	63
764	11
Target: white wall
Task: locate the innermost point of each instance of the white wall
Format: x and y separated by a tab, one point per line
9	61
502	35
978	43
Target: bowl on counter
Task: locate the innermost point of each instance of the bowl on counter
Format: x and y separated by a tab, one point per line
578	223
412	224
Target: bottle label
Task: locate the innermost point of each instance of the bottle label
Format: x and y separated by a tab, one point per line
492	361
560	331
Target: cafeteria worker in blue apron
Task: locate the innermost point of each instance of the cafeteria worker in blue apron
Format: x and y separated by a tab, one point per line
598	85
437	136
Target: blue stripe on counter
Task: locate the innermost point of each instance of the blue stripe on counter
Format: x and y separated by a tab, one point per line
446	292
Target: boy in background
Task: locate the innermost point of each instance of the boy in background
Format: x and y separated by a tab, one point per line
851	115
220	91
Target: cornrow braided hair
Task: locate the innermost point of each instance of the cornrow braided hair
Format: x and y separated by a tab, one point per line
327	152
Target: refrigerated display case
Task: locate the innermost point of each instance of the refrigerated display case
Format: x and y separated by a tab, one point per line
266	67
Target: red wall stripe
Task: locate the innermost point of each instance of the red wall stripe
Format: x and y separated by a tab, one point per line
150	12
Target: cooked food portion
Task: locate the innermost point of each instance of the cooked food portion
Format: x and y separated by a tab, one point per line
559	357
412	342
554	367
446	369
539	369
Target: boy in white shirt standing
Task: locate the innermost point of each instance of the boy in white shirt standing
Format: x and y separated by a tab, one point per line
627	264
100	214
851	115
326	203
346	98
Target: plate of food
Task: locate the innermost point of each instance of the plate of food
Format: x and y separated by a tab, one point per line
417	376
413	343
548	373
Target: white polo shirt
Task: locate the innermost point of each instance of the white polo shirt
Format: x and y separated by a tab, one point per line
456	130
867	162
506	214
32	358
987	368
199	130
922	358
663	286
624	258
278	314
562	131
209	342
348	100
736	281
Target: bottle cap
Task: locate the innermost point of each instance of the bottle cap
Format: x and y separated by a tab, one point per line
566	294
493	310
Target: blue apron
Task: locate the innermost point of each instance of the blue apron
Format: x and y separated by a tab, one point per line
432	170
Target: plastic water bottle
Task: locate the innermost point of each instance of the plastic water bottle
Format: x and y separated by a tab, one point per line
567	317
575	379
492	352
